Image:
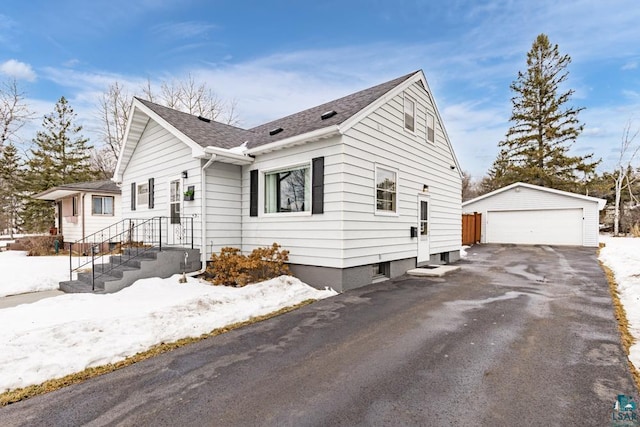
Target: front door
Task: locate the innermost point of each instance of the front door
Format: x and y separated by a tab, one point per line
176	235
423	229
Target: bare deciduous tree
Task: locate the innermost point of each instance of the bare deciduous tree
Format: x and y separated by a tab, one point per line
186	95
623	176
14	112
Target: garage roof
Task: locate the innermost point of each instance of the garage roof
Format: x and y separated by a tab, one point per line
600	202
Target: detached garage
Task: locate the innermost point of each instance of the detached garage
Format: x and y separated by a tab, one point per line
531	215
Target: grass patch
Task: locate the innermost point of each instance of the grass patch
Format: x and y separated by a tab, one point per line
623	324
17	395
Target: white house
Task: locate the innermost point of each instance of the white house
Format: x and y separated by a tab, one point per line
357	189
84	208
528	214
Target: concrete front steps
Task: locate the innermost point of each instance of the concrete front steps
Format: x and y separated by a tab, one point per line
123	270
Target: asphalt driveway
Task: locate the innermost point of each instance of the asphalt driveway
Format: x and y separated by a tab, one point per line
519	336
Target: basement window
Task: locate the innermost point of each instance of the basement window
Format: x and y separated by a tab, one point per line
381	271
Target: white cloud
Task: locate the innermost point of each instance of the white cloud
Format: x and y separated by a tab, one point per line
18	70
183	30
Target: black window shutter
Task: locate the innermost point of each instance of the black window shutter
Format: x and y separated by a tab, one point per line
253	193
150	193
317	186
133	196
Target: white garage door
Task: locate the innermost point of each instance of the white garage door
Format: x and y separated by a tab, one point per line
536	227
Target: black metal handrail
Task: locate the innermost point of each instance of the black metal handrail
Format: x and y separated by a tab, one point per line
137	235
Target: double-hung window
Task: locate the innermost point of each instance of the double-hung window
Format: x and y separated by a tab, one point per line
386	190
74	206
409	114
288	190
102	205
431	128
143	194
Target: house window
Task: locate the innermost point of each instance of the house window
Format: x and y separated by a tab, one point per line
102	205
409	114
386	190
288	190
143	194
381	270
74	206
431	129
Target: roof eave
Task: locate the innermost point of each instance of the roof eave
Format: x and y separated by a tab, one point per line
292	141
225	156
601	202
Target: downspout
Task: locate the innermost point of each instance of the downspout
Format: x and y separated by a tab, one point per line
203	219
82	210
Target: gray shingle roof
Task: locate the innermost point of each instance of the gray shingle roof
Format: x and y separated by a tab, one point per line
106	186
215	134
310	120
205	133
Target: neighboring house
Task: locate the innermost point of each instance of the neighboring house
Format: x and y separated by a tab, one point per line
357	189
528	214
84	208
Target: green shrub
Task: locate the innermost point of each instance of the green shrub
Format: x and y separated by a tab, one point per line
231	268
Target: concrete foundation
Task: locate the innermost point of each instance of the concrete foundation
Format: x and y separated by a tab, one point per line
344	279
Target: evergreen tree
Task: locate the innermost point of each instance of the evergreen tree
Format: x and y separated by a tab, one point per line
10	198
536	147
60	156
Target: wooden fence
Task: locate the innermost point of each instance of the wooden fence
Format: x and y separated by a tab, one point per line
471	228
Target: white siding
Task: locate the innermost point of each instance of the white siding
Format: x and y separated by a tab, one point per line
522	198
349	233
161	156
380	139
72	226
311	239
94	223
223	207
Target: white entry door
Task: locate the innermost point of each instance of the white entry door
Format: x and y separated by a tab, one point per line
423	229
175	211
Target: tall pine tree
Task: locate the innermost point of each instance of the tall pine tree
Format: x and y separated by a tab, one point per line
10	197
536	147
60	156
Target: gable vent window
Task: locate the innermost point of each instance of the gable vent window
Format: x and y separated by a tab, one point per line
431	128
275	131
328	114
409	114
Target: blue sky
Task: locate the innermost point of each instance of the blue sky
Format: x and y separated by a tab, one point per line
277	57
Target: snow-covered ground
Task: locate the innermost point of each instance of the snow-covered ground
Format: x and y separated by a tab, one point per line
622	256
21	273
68	333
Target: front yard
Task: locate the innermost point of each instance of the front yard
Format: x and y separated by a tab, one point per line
69	333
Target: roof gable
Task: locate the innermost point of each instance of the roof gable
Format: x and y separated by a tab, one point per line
204	132
600	202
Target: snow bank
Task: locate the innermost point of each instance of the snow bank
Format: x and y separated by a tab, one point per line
68	333
20	273
622	256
